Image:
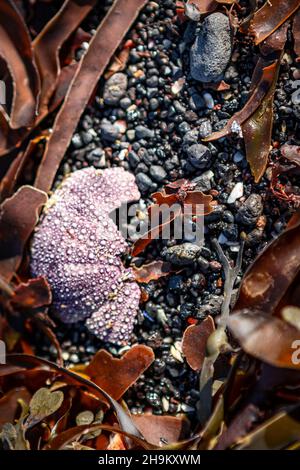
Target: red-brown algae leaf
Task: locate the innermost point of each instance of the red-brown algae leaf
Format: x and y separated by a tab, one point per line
40	370
154	233
194	342
160	430
110	32
77	247
115	375
270	17
18	217
269	277
266	337
274	42
16	51
151	271
181	198
34	293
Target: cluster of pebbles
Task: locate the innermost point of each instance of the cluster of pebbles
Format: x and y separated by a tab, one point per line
149	119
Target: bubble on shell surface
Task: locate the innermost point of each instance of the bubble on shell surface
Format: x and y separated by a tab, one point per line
77	247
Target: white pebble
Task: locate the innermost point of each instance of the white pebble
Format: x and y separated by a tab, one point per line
209	101
178	85
165	404
236	193
123	154
236	129
176	354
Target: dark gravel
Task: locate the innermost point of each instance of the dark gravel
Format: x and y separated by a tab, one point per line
152	130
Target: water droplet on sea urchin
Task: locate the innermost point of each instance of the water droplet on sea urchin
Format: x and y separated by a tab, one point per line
89	281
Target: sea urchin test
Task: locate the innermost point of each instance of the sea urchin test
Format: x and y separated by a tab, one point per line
77	247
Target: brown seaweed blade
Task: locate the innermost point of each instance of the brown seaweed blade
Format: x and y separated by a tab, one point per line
272	273
16	51
24	361
18	166
270	17
257	132
269	339
48	43
103	45
18	217
259	93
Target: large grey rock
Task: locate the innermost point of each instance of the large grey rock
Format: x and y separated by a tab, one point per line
212	49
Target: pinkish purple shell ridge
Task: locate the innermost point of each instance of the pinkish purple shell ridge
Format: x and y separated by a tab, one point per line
77	247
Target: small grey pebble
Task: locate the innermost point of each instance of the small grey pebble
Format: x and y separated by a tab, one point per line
199	156
144	182
250	210
183	254
157	173
115	89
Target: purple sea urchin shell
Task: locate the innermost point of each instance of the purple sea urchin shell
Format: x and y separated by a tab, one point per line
77	247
